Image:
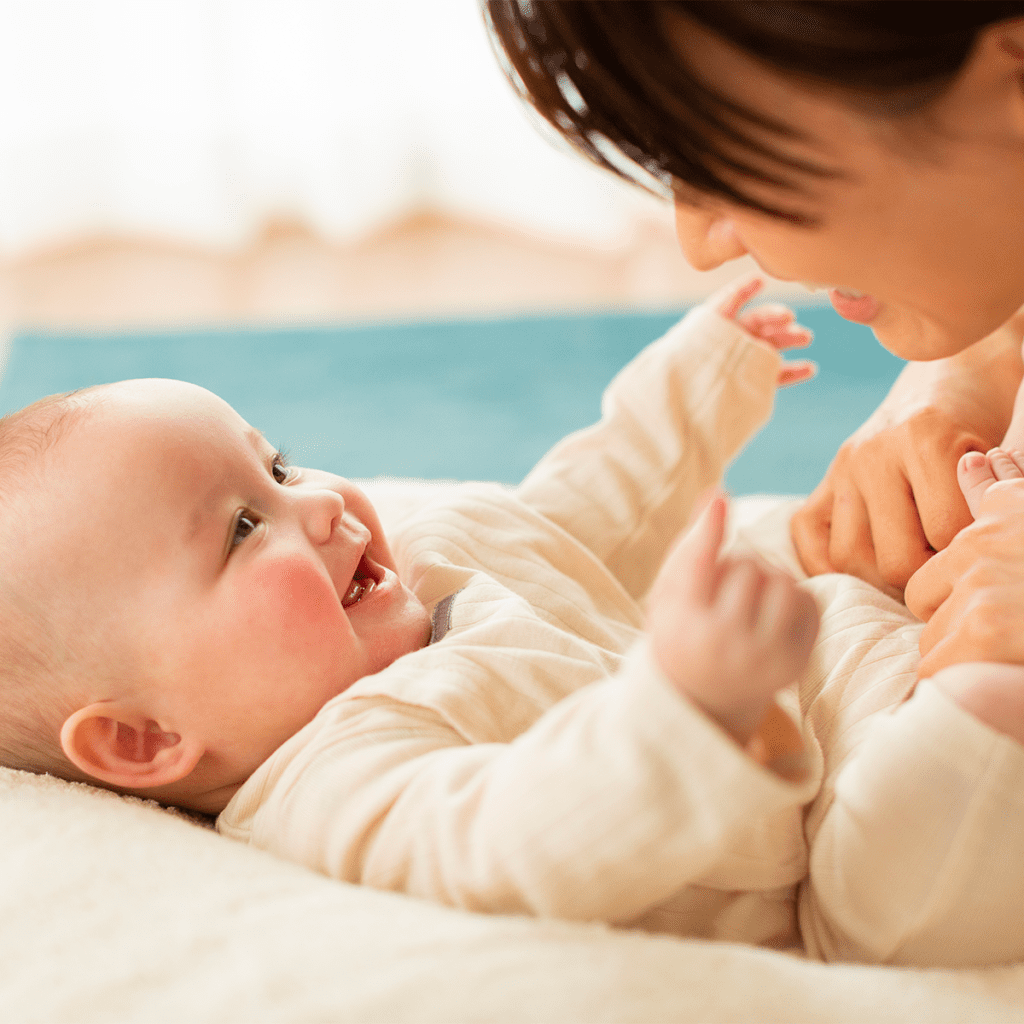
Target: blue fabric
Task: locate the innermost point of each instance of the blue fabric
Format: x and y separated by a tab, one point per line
470	399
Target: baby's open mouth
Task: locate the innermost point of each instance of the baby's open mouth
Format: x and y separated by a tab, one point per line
364	582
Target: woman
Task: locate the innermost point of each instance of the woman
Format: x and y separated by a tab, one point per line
876	149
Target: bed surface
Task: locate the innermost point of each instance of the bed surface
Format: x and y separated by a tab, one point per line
115	910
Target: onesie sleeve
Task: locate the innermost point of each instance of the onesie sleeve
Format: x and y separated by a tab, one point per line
918	859
671	421
612	801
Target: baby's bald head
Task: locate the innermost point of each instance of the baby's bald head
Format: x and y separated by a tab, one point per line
37	656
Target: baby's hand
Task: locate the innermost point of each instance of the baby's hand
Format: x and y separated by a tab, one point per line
728	632
773	324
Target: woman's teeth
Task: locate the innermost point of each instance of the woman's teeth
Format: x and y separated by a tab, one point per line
848	293
357	590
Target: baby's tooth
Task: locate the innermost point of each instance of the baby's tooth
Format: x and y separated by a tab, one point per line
357	590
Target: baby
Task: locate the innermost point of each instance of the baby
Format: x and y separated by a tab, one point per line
514	711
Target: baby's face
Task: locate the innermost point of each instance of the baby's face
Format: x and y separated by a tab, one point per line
249	592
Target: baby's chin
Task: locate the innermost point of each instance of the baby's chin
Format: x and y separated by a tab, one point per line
421	626
408	631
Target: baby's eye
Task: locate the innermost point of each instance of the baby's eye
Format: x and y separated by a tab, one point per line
245	524
279	468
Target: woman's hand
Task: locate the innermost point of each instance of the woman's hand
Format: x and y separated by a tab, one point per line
972	593
890	498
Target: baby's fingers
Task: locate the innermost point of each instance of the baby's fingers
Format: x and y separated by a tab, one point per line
772	316
795	371
701	546
738	600
788	616
690	571
735	295
775	331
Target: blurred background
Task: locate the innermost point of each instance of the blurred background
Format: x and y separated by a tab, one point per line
338	215
172	162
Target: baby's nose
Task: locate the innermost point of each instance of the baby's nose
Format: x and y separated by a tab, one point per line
324	510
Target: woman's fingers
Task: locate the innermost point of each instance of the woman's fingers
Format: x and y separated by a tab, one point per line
980	621
898	539
932	584
810	529
850	542
909	447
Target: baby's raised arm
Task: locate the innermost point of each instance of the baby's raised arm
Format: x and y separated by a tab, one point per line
671	422
729	632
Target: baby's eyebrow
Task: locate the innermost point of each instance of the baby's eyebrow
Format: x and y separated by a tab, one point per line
256	438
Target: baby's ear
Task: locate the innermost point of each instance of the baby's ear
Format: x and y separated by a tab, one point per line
122	747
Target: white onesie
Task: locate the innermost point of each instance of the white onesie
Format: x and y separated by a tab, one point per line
535	760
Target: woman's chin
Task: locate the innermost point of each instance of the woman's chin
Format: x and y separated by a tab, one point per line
913	338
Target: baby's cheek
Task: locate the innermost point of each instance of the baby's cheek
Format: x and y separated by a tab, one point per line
298	602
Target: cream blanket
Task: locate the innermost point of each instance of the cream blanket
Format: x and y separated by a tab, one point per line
115	910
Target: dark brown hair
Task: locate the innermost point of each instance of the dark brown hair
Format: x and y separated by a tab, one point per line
604	74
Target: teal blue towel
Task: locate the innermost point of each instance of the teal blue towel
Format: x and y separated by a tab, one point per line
468	399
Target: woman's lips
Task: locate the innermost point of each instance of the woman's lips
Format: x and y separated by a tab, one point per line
853	305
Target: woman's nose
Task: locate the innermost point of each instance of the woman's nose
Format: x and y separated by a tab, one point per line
322	510
707	237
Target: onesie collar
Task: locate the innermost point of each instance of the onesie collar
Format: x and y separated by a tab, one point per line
441	620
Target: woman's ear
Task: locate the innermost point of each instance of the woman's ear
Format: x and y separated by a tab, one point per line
1011	37
988	93
123	748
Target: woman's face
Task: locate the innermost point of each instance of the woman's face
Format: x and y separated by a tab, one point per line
927	219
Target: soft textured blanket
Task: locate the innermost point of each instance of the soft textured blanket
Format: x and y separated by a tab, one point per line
116	910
